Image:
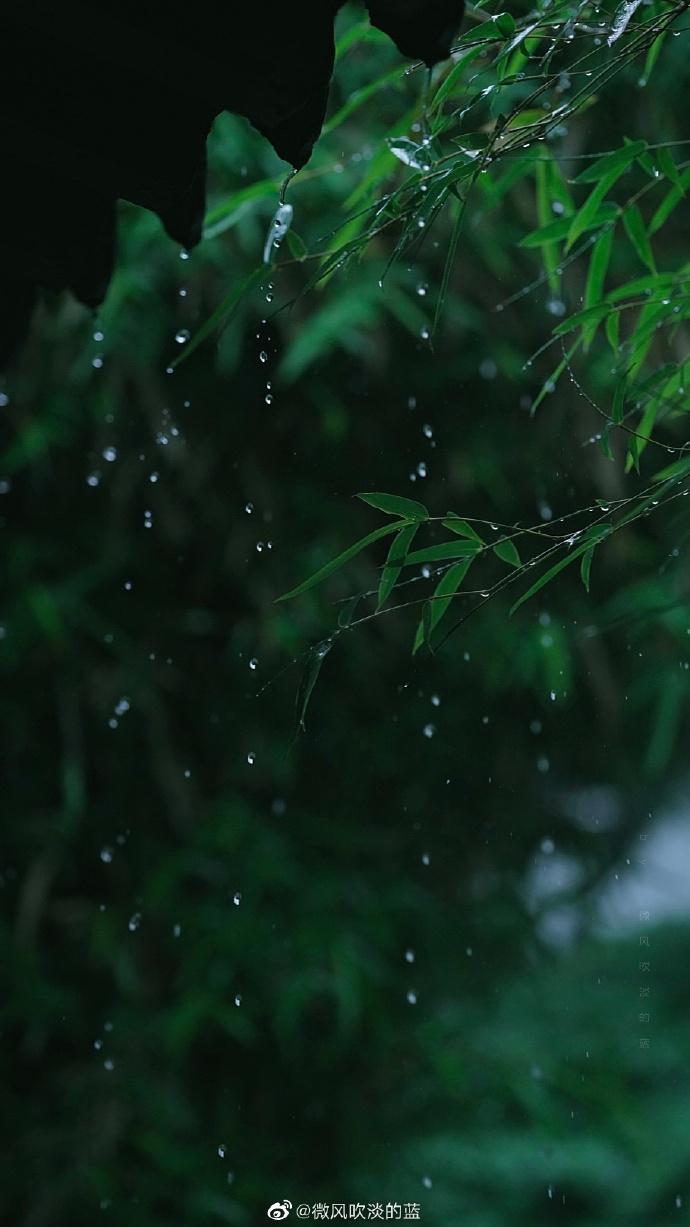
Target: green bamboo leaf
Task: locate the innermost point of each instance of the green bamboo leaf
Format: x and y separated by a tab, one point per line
444	592
619	401
641	285
596	278
544	213
637	233
396	505
461	527
549	575
394	562
557	230
676	471
583	219
668	168
632	459
336	563
612	326
448	84
652	57
612	163
591	315
438	553
505	24
222	315
671	199
586	566
507	551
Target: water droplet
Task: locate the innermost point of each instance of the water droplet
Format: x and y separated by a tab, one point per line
428	431
182	336
177	930
429	730
263	356
409	956
435	700
106	855
109	1064
422	290
134	922
427	1182
425	333
547	846
411	997
109	454
237	898
421	469
251	758
249	507
222	1150
238	999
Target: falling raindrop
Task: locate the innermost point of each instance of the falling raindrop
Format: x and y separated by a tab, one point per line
429	730
106	855
411	997
134	922
109	454
182	336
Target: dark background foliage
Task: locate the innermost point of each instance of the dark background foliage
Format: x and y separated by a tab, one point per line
369	963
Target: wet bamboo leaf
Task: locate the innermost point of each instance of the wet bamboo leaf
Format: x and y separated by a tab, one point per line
336	563
507	551
438	553
637	233
546	578
394	562
396	505
596	278
612	163
461	527
586	566
444	593
222	314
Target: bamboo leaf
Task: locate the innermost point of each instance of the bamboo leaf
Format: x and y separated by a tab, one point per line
637	233
334	565
507	551
444	592
394	562
396	505
438	553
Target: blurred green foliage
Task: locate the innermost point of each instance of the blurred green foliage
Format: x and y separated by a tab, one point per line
246	965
